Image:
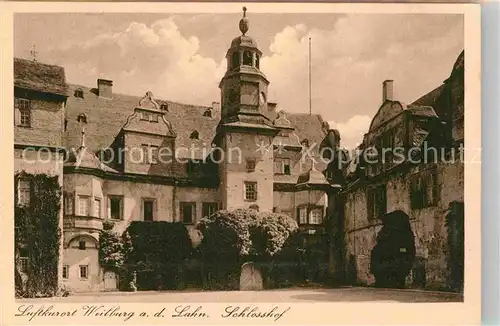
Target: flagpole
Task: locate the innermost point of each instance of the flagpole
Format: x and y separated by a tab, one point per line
310	99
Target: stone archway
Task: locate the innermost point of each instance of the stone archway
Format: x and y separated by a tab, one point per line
251	278
393	256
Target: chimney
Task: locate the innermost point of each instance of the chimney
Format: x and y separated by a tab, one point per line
105	88
216	106
387	90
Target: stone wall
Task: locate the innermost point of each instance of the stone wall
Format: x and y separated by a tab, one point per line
47	124
428	224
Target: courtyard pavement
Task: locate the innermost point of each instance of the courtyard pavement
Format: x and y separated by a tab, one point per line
304	295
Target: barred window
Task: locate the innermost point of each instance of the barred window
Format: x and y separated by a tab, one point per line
316	216
424	190
65	272
250	191
377	202
83	205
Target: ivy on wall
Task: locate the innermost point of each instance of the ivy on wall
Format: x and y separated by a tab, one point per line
37	233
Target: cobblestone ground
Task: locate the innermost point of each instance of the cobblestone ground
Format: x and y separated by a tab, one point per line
286	295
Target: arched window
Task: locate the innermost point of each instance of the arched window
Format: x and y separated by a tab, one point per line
247	58
207	113
235	60
194	135
164	107
305	142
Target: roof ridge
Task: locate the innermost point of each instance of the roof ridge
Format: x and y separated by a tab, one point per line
139	97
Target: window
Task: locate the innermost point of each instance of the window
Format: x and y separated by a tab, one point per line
195	135
65	272
282	166
68	204
257	65
84	271
24	192
424	190
207	113
83	205
148	209
188	212
24	107
247	58
164	107
377	202
149	154
23	260
235	59
316	216
97	207
251	165
302	213
209	208
82	245
115	210
79	93
250	191
305	142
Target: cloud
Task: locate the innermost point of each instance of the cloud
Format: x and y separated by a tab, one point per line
141	58
350	58
350	61
352	130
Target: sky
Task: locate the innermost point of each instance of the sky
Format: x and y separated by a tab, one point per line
180	57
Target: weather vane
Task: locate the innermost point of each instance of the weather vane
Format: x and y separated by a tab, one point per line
33	53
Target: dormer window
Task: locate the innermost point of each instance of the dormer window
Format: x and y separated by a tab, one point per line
247	58
148	116
79	93
207	113
305	142
194	135
164	107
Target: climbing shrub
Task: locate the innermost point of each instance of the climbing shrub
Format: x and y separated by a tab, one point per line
37	233
111	248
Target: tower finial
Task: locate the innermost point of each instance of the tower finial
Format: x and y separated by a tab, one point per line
244	24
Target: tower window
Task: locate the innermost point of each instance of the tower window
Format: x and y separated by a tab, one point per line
235	59
257	64
195	135
247	58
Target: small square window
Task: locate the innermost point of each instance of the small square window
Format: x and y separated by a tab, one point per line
316	216
251	165
82	245
250	191
84	271
65	272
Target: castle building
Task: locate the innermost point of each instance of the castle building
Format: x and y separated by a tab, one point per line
427	185
145	159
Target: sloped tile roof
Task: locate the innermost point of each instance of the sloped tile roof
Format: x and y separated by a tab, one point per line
106	118
39	77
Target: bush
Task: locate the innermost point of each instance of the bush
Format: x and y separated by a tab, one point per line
159	252
37	232
231	238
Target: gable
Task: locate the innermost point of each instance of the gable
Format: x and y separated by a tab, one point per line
386	112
